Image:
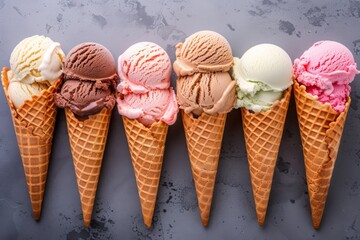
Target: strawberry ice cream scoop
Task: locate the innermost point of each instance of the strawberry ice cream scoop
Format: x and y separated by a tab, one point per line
150	107
326	69
144	91
144	66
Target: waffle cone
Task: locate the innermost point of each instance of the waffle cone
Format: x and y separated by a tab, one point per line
263	132
203	138
87	142
146	145
34	125
320	128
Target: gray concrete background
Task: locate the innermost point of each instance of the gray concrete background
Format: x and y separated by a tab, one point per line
293	25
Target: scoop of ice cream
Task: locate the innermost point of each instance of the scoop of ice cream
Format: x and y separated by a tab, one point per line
89	80
204	51
262	74
86	97
326	69
206	92
19	92
36	63
150	107
36	59
90	61
202	65
145	92
144	66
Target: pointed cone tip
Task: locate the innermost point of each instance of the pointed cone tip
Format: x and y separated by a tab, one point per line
36	216
205	221
261	222
316	224
147	223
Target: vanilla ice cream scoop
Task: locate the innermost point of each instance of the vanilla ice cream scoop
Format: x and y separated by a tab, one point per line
262	74
36	63
36	59
22	91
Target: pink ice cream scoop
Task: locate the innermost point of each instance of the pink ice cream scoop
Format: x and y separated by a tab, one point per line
150	107
145	92
326	69
144	66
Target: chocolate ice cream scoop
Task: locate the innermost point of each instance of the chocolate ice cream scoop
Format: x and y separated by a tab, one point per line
89	80
90	61
86	97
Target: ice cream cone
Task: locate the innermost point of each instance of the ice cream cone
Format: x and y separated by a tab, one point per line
87	142
203	138
320	128
34	125
263	132
146	145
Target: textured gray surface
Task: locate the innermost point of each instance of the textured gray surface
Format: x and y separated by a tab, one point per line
293	25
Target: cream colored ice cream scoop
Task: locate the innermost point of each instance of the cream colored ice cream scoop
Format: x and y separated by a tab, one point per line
36	59
36	63
20	92
262	74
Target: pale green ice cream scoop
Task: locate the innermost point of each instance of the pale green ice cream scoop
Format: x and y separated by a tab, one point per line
262	74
